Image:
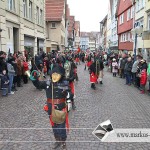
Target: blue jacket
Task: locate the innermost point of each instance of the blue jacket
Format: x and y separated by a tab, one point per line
4	79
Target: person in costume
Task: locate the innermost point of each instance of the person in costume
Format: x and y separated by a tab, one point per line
70	76
57	92
101	74
93	76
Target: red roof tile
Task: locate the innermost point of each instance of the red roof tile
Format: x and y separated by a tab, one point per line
54	10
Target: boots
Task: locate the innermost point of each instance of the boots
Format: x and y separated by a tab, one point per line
63	145
14	88
142	92
93	86
57	143
101	82
73	106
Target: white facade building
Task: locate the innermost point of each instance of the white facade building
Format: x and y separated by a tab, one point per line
84	43
114	37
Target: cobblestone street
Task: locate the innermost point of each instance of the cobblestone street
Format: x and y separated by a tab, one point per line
24	125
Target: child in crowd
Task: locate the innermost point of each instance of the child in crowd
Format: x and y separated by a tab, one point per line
4	83
114	67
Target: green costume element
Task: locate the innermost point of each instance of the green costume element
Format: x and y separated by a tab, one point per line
148	70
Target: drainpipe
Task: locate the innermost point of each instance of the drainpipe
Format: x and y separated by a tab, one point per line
0	39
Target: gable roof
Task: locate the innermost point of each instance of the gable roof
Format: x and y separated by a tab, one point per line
54	10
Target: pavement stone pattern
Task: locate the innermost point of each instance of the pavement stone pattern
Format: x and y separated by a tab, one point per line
24	125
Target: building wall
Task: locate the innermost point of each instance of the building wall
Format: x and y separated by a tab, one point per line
114	36
147	42
16	26
139	15
108	34
123	6
84	43
126	26
56	35
92	44
126	46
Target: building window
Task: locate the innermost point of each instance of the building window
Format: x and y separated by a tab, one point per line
41	17
132	12
25	8
30	10
11	5
53	25
121	18
129	36
37	15
139	5
128	14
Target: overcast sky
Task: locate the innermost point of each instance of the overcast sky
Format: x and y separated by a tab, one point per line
89	13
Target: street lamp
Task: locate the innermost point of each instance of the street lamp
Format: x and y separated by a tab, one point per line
138	30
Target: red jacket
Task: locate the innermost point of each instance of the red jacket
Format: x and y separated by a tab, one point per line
143	78
93	78
89	63
25	66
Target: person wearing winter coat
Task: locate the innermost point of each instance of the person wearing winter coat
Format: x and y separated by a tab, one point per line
11	73
143	76
4	83
93	76
148	75
127	71
135	70
114	67
122	66
25	68
19	72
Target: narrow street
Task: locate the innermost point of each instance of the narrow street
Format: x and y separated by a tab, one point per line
24	125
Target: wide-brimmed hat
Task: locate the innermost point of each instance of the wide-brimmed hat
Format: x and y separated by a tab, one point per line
58	69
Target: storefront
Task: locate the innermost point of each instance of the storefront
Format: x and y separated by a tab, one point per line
29	43
40	44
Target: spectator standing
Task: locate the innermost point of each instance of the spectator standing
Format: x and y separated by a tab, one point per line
11	73
143	76
122	65
135	69
127	71
148	73
114	67
4	83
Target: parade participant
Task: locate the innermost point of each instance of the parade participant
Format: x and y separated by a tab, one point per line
25	69
101	74
93	76
70	76
89	62
57	90
19	72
